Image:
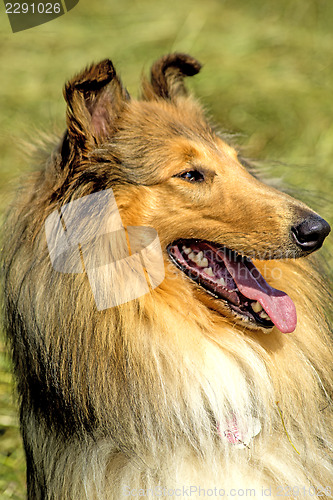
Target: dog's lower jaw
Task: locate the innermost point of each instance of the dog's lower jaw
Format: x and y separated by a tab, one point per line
225	313
244	324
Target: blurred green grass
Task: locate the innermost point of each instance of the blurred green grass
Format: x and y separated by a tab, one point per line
268	75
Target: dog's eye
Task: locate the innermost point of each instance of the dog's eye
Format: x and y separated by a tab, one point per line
192	176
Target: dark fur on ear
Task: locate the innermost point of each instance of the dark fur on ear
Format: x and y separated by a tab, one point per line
167	76
95	99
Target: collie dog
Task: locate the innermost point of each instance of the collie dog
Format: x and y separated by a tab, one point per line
212	379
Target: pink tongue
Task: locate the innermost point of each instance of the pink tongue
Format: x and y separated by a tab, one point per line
279	307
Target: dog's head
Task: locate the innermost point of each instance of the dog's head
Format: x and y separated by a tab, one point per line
171	170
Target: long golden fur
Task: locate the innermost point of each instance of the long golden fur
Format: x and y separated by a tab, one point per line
133	397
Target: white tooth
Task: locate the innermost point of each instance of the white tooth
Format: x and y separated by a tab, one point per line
192	256
197	258
187	250
204	262
209	271
221	281
264	315
256	306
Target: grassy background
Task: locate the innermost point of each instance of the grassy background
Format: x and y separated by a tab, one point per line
268	75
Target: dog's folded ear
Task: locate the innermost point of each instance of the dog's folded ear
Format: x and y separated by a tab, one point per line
95	99
167	77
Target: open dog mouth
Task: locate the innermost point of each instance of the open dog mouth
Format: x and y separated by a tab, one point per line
227	276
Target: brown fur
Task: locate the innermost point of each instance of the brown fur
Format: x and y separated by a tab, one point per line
131	396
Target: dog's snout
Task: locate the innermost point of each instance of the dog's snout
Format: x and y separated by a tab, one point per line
310	234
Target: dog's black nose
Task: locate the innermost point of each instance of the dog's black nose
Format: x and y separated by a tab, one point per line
311	233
